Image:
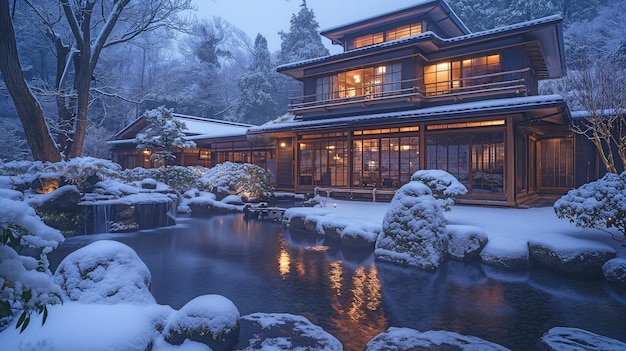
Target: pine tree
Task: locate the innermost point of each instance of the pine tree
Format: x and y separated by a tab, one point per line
257	103
303	40
163	133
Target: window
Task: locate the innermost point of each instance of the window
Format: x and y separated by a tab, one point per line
323	163
392	34
441	77
367	82
384	162
367	40
404	31
475	159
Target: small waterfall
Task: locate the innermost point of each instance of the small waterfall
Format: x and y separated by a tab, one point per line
102	216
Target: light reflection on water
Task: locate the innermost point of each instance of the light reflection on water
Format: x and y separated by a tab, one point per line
262	267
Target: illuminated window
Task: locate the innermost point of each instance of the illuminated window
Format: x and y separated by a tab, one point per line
404	31
367	83
441	77
392	34
367	40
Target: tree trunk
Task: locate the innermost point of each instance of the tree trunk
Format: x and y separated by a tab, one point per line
28	109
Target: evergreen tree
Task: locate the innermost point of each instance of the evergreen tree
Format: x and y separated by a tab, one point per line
257	103
303	40
162	134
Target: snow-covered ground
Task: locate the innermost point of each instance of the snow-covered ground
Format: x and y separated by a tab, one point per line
77	326
532	224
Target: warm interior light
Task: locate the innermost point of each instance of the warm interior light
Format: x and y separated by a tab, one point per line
283	144
146	152
406	147
357	78
382	69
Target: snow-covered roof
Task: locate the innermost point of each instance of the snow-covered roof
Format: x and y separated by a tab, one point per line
440	42
438	10
586	114
436	112
197	128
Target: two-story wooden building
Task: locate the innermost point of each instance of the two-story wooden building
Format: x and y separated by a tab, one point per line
415	89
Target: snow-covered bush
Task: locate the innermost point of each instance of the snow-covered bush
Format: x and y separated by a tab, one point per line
178	178
26	284
444	186
600	204
414	229
243	179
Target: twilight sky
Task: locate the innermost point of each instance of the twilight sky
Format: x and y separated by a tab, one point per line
268	17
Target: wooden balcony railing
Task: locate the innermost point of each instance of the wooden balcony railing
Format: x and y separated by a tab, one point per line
416	91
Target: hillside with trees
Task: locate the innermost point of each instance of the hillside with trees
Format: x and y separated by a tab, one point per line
205	68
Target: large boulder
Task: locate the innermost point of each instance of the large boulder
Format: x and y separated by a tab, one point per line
414	229
574	339
209	319
505	252
405	339
279	331
572	256
105	272
465	241
614	270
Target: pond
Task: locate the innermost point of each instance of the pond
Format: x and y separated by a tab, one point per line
263	267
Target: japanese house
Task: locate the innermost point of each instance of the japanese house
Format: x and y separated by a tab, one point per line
415	89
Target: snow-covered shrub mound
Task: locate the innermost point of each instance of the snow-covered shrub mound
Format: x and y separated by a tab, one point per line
243	179
281	331
614	270
414	229
600	204
574	339
411	339
233	200
25	282
444	186
105	272
465	241
179	178
209	319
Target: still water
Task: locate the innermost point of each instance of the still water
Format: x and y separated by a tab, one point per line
263	267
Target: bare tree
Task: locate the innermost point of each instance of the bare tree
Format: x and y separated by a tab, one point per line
600	91
31	115
79	33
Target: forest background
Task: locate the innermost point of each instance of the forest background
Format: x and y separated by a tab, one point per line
209	68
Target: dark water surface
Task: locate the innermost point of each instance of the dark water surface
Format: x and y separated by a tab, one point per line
262	267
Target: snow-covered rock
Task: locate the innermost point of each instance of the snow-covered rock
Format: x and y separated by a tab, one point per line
399	339
574	339
209	319
105	272
614	270
572	256
233	200
279	331
465	241
505	252
414	229
65	198
149	183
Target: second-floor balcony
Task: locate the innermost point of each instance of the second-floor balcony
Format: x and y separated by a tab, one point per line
417	91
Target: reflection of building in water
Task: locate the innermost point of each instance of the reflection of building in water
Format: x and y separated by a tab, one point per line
284	262
354	295
357	305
